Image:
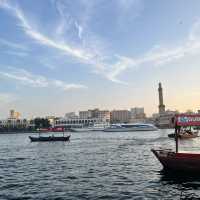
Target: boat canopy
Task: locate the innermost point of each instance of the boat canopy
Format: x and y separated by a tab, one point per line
187	119
57	129
54	129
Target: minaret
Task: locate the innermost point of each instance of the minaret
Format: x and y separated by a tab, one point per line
161	106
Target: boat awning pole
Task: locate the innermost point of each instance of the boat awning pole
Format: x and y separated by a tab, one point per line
177	131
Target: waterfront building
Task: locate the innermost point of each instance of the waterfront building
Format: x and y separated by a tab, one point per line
161	106
85	114
14	114
137	112
11	123
77	123
137	115
120	116
51	120
71	115
164	120
15	123
85	118
103	115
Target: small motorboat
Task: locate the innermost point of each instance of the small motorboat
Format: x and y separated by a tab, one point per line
171	135
49	138
184	135
188	135
180	161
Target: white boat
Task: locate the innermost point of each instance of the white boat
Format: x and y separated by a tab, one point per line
99	126
83	129
130	127
94	127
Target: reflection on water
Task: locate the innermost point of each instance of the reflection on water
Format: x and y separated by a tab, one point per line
187	184
93	165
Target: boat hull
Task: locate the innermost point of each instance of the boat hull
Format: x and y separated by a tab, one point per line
80	129
179	162
128	129
183	136
49	139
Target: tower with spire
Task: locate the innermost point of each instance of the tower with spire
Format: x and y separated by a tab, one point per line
161	106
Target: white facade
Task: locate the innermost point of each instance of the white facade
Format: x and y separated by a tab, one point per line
79	122
16	123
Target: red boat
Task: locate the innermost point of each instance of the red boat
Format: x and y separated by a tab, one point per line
180	161
54	129
50	138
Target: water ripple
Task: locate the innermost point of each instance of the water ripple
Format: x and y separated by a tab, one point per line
91	166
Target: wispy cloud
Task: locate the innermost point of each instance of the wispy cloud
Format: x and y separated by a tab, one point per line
26	78
45	62
12	45
86	55
7	98
159	55
41	38
109	66
16	53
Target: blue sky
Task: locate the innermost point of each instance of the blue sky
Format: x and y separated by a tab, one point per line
59	56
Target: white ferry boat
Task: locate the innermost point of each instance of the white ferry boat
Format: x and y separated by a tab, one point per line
93	127
99	126
130	127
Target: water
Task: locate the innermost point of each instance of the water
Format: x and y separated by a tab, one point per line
92	165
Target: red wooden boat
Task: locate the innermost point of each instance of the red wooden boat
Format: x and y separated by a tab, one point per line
180	161
50	138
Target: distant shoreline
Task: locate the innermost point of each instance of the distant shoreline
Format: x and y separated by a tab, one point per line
17	132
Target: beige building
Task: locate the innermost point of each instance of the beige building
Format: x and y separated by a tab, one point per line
120	116
71	115
137	115
164	120
103	115
85	114
14	114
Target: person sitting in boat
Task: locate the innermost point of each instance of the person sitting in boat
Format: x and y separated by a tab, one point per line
189	132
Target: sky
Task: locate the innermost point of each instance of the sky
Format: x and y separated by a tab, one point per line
59	56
